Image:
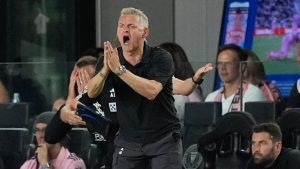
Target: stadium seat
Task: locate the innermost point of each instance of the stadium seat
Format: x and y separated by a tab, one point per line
80	143
12	145
14	114
262	111
289	123
198	119
228	144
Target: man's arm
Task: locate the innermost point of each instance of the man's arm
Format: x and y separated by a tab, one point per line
144	87
187	86
95	85
62	122
56	130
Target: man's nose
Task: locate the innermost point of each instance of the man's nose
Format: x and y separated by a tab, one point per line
255	148
126	29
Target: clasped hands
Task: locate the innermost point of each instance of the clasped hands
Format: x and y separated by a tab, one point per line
111	58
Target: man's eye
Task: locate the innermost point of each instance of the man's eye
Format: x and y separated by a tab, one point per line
132	26
263	143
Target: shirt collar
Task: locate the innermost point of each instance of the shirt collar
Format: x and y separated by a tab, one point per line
145	57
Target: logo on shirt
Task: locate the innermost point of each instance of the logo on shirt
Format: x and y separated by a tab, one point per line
98	108
98	137
112	93
81	93
113	106
121	151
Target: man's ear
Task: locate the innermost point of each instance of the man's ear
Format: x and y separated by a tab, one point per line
278	146
145	33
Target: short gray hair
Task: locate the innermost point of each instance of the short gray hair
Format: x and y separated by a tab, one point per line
137	12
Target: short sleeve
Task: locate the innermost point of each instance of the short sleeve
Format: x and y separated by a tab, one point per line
161	66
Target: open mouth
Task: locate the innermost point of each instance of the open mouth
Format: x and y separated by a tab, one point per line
126	39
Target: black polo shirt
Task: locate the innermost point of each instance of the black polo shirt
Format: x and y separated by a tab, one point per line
142	120
287	159
293	100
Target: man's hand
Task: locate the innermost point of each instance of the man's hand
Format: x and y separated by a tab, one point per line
42	153
71	94
112	57
105	59
82	79
67	113
199	74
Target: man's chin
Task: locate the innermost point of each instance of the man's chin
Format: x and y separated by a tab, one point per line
263	162
127	47
256	160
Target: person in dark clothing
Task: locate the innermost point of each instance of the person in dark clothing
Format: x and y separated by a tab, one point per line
141	76
267	150
133	88
84	70
293	100
143	94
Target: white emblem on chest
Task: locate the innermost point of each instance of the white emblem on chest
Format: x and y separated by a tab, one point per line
113	106
98	108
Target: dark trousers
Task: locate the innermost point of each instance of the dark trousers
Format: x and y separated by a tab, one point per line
165	153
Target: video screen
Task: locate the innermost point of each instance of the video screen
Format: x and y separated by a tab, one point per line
277	40
271	29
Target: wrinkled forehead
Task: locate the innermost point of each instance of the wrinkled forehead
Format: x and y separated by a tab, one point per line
259	136
129	19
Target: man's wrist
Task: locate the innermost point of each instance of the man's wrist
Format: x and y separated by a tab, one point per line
102	74
197	82
122	70
45	166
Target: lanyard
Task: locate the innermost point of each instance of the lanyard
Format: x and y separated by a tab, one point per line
235	103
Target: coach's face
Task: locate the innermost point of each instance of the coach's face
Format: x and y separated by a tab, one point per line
131	32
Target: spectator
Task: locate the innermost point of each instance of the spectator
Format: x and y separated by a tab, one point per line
229	59
255	74
50	155
4	96
293	100
267	150
104	146
83	71
183	70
